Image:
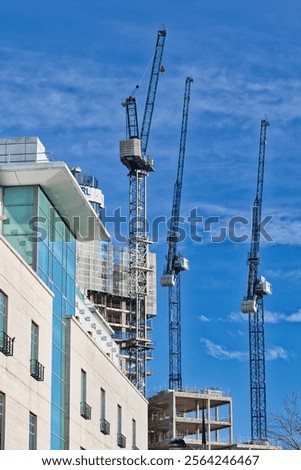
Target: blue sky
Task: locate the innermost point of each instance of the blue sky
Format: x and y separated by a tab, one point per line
66	67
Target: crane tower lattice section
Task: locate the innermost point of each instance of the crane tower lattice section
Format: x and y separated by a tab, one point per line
254	306
133	156
175	262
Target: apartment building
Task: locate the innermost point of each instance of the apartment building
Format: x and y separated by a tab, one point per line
61	383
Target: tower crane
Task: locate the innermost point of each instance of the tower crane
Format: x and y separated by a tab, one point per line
175	262
133	156
252	305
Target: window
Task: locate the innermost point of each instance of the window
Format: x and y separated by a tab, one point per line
3	312
119	419
32	431
85	409
134	434
104	424
34	341
121	440
83	385
36	369
2	419
6	343
102	403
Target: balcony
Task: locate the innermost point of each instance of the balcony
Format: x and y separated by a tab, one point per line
85	410
121	440
6	344
37	370
105	426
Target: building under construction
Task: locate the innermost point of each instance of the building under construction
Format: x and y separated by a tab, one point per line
202	418
103	276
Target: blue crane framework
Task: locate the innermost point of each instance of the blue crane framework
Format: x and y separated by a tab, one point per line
252	305
133	156
175	262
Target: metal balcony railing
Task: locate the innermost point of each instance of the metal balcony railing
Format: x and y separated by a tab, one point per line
105	426
6	344
85	410
36	370
121	440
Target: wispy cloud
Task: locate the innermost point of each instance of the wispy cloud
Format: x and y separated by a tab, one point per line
270	317
278	317
277	352
292	275
220	352
285	227
203	318
41	91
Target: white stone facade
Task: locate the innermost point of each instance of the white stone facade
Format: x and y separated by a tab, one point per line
28	300
84	354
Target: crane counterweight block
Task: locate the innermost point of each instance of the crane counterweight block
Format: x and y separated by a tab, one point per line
168	280
249	306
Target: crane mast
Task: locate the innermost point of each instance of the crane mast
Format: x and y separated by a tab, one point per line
252	304
133	156
175	263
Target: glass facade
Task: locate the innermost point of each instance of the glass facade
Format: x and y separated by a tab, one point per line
37	231
19	209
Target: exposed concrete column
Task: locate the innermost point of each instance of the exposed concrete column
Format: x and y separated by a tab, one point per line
230	420
208	425
216	413
172	414
197	415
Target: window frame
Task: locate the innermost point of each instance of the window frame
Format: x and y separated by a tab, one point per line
32	431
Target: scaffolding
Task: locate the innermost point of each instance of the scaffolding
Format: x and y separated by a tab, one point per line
103	276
